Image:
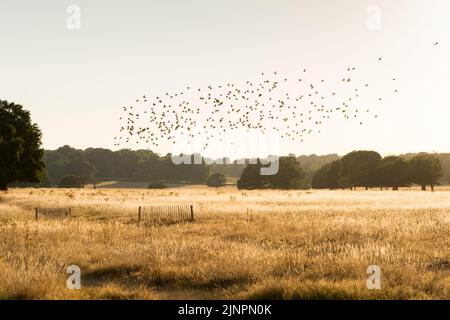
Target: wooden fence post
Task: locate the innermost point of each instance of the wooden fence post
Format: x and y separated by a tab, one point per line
192	212
36	213
139	215
70	211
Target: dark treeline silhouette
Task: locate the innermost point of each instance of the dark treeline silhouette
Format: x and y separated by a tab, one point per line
289	176
368	169
24	163
328	171
97	164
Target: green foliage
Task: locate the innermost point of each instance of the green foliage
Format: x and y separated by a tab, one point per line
359	168
367	169
67	161
216	180
290	176
328	177
140	165
309	163
393	172
144	165
20	146
425	169
251	178
71	182
444	159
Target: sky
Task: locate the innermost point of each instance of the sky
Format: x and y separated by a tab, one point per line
76	80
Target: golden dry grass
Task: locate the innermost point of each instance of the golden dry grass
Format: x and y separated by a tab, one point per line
252	244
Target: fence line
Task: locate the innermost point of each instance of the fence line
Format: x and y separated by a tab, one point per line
52	212
166	214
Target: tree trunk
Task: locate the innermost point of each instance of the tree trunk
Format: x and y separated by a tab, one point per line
424	188
381	188
367	188
432	187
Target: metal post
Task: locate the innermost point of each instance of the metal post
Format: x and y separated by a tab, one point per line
139	215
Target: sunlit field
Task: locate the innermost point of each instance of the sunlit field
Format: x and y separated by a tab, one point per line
242	244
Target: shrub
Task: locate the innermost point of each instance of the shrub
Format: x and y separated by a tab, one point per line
216	180
157	185
71	182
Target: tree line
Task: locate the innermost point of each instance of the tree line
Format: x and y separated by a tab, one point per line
23	161
368	169
97	164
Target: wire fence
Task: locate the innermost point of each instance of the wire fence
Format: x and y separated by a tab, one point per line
53	213
166	214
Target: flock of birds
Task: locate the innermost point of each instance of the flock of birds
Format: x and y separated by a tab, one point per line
294	108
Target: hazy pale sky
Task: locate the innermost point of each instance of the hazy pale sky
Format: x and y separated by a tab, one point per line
76	81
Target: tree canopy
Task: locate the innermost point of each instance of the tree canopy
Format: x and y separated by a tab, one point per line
216	180
290	176
147	166
368	169
392	172
20	146
139	165
425	169
359	168
328	176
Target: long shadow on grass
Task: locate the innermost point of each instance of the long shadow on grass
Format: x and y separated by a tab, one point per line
134	276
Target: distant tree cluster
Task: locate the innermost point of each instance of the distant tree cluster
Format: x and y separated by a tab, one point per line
368	169
99	164
290	176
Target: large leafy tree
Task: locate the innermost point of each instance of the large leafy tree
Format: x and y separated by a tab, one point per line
289	176
358	168
425	169
20	146
216	180
392	172
251	178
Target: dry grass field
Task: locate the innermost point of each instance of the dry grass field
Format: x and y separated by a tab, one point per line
244	245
